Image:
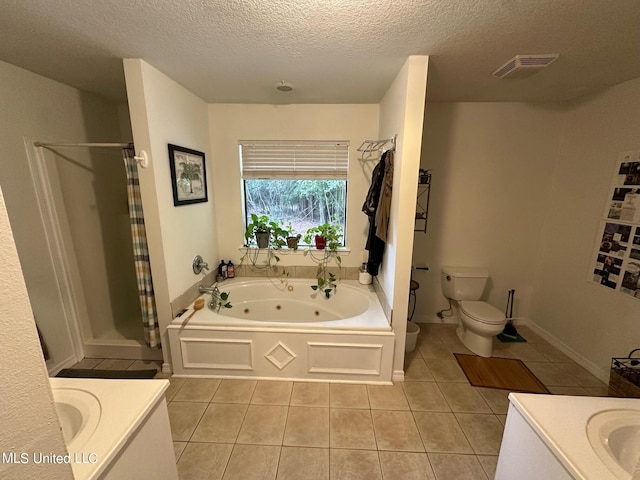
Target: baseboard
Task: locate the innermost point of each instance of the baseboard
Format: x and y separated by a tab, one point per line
602	375
66	363
397	376
166	368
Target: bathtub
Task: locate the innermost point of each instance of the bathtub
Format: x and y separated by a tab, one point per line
115	429
286	331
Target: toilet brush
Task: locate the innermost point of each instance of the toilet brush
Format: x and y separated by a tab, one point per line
509	330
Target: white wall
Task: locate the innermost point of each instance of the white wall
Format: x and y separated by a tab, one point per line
492	167
402	111
230	123
593	321
29	421
164	112
44	110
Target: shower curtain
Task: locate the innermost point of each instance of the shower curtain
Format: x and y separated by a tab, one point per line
141	252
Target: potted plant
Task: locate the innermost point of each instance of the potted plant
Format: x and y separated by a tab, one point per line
260	229
292	240
325	236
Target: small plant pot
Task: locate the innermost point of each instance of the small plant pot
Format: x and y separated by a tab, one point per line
262	239
292	242
321	242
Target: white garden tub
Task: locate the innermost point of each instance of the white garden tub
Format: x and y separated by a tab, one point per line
286	331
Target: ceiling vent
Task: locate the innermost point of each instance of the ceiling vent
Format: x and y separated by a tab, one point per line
522	66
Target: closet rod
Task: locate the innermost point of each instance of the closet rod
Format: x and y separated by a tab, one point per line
107	145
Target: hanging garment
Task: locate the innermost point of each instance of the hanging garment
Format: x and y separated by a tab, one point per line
384	203
374	245
141	253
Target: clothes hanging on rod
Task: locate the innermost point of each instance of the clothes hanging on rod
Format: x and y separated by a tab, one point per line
377	206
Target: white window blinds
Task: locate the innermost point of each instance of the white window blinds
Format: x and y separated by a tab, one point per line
294	159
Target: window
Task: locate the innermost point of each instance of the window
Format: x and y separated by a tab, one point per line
302	183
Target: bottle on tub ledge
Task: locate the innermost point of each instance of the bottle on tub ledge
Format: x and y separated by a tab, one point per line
231	273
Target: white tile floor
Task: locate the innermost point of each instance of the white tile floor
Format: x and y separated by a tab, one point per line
434	425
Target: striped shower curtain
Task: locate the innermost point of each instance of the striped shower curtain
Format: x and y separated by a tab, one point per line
141	252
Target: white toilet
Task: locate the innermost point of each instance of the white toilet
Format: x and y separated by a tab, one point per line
479	321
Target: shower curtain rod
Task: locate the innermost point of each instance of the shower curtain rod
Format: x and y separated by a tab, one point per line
107	145
141	157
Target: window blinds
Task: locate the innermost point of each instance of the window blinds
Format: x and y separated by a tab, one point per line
294	159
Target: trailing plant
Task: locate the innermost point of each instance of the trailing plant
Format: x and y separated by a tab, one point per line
326	281
219	300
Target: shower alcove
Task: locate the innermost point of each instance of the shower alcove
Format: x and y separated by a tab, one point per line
82	190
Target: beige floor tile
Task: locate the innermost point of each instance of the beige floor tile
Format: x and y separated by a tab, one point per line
387	397
178	448
458	467
146	365
272	393
310	394
220	423
234	391
396	431
484	432
582	377
416	369
462	397
298	463
425	396
203	461
405	466
435	350
184	417
597	391
441	433
197	390
263	425
550	375
175	384
252	462
497	399
550	352
350	428
502	418
87	363
530	335
446	370
354	465
114	364
489	464
342	395
518	350
307	427
575	391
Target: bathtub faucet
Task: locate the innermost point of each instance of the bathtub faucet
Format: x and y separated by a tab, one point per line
213	289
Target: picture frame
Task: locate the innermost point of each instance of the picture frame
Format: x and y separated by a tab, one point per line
188	175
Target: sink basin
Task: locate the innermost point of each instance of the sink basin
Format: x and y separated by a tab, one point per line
615	437
79	412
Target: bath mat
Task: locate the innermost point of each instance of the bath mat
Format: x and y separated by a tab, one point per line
117	374
506	339
503	373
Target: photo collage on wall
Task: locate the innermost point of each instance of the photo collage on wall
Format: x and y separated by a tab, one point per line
617	261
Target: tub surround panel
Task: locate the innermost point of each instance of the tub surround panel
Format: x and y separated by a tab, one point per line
382	297
340	356
189	296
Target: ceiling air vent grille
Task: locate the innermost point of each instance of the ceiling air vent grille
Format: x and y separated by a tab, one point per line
524	65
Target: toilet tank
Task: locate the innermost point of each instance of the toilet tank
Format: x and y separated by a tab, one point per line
464	283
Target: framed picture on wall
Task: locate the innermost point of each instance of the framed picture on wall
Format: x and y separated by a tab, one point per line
188	175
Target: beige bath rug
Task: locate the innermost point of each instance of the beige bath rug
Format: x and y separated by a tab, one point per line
503	373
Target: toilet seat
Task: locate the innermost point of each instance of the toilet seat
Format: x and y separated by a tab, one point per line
482	312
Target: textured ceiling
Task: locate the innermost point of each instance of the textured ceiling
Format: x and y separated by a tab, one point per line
333	51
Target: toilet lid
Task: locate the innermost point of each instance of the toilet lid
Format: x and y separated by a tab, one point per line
482	312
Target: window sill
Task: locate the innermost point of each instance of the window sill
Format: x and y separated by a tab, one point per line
289	251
